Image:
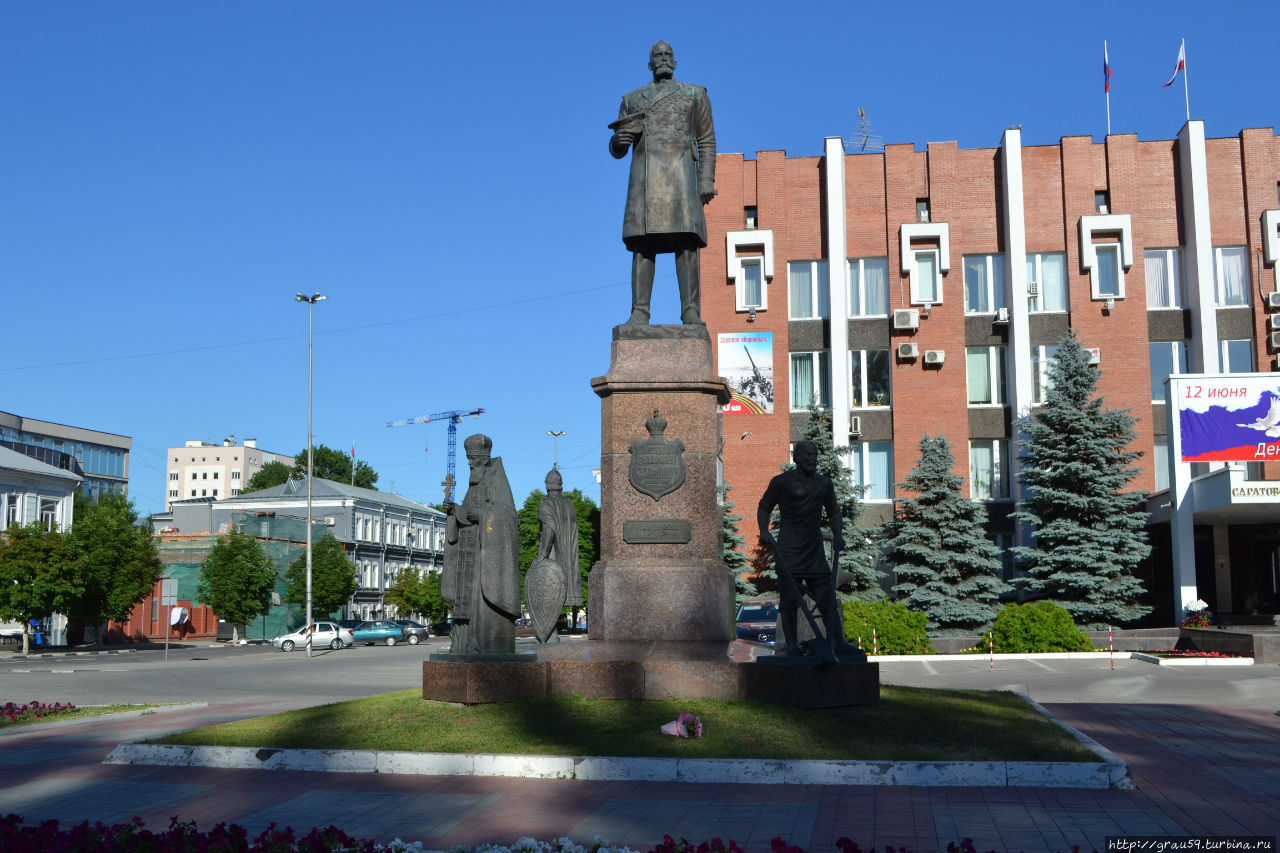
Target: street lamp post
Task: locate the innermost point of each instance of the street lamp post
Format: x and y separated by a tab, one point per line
311	304
555	437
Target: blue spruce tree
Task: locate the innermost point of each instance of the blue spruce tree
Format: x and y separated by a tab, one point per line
1089	532
732	548
937	544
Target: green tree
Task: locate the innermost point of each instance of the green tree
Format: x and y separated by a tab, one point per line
418	593
588	532
236	580
947	568
1089	532
333	577
733	549
118	560
38	576
268	476
335	465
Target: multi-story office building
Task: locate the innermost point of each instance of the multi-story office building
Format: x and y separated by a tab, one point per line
924	291
101	458
202	469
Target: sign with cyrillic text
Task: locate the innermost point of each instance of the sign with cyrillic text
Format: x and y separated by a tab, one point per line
1232	418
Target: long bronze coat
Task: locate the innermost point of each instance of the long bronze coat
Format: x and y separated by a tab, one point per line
674	154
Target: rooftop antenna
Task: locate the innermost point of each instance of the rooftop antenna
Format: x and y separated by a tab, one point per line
866	140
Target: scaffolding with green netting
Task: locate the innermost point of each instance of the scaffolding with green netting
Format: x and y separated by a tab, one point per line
283	538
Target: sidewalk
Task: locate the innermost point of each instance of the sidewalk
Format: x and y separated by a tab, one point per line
1199	770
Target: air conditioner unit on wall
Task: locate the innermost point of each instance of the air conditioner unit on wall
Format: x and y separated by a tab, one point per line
906	318
1033	289
1273	299
1002	315
908	351
934	356
855	426
1273	323
1275	340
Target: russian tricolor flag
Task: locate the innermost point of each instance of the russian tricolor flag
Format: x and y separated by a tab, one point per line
1106	69
1182	62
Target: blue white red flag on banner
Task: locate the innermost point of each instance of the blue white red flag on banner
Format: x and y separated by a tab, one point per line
1182	62
1106	69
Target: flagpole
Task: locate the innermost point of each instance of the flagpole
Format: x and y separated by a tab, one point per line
1186	92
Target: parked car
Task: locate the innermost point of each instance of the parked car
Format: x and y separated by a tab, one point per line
417	632
443	627
758	620
350	623
380	631
322	634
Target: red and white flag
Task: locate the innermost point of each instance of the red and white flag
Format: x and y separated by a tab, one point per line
1182	63
1106	69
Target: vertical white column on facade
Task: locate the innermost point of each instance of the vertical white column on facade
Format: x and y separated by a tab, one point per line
838	298
1202	350
1019	349
1182	505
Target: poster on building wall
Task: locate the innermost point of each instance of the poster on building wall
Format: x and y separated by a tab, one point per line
1233	418
746	363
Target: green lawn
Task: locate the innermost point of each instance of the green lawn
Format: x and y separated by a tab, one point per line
908	724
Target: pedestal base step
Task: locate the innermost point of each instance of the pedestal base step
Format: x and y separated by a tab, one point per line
791	686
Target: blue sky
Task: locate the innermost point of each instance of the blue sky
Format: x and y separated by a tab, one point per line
171	174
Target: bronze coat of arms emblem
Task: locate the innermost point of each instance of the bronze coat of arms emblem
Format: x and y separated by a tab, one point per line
657	462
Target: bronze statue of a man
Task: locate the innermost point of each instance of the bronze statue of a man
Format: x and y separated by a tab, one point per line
802	496
481	576
673	171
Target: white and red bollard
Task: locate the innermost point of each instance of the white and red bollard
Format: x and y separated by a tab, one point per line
875	644
991	650
1111	647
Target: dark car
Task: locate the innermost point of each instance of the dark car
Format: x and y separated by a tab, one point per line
351	623
380	631
758	620
443	627
416	630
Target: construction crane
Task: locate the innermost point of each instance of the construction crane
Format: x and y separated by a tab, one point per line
453	417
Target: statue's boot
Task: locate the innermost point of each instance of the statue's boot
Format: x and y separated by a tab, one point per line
687	276
642	268
835	630
821	649
787	622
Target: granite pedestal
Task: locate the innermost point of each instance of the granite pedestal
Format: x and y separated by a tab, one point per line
660	576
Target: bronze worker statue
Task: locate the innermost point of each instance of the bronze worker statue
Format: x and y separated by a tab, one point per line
668	126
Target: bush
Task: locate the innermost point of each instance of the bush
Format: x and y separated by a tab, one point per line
1040	626
899	631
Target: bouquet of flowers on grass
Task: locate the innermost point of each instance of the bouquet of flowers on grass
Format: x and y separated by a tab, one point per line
686	725
1198	615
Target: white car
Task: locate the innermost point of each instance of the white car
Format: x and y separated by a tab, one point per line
322	634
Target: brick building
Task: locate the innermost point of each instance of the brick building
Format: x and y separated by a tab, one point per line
953	274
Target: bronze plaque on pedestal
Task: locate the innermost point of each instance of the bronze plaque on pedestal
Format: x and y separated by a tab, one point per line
657	462
659	531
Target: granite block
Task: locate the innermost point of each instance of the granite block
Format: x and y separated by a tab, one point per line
604	679
478	683
692	602
812	686
674	679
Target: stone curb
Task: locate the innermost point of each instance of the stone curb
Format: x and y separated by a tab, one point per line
1108	774
84	721
1099	655
1111	772
1159	661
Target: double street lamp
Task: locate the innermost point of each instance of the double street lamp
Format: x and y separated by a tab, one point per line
311	304
555	437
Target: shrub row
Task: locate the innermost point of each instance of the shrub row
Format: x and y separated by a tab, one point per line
1040	626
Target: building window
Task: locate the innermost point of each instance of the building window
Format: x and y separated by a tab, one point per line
204	475
215	493
870	369
1231	275
750	216
235	492
983	283
926	286
204	493
868	287
1106	279
173	475
49	513
1166	357
1235	356
985	370
1101	203
989	469
1048	272
235	475
12	510
751	284
1161	458
1164	277
173	493
195	476
809	289
922	210
1041	358
810	380
215	475
872	463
